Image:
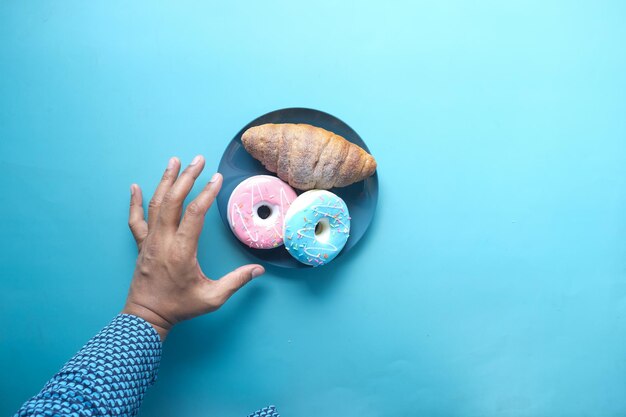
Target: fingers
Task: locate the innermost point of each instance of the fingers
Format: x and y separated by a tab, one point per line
172	206
169	176
136	221
193	220
233	281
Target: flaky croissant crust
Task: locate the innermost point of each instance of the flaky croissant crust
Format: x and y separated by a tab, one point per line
308	157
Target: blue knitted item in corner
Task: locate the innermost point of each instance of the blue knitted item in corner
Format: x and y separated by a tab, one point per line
266	412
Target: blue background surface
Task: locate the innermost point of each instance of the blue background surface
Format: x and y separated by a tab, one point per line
492	281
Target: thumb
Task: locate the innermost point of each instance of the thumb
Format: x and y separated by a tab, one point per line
233	281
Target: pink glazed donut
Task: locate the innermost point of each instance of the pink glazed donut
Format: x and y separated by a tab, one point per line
256	211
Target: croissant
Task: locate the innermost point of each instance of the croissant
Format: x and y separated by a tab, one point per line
308	157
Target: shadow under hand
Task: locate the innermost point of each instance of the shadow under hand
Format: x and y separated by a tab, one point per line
198	344
204	338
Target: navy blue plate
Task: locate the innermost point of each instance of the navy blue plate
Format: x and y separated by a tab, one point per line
237	165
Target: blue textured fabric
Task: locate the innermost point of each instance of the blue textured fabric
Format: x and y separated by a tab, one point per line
107	377
266	412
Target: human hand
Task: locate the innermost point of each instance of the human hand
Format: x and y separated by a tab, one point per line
168	285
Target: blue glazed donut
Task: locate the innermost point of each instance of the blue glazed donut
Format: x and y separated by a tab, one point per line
317	227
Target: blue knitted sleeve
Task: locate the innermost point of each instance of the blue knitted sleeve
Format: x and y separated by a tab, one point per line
107	377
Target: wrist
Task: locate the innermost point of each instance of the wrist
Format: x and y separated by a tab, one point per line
159	323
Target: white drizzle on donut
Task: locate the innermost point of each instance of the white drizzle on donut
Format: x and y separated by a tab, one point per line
252	193
243	223
310	251
252	235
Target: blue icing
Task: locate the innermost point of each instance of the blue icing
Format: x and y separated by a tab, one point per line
301	240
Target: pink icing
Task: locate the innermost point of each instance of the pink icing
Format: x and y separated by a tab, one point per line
243	217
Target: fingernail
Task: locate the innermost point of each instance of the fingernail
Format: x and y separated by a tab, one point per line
132	189
196	160
256	272
214	178
171	164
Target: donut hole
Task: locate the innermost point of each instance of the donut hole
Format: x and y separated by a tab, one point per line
265	214
322	230
264	211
